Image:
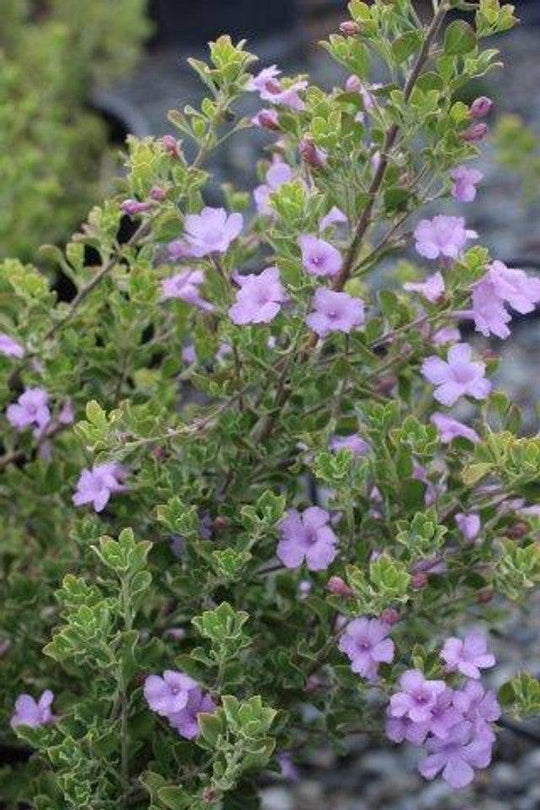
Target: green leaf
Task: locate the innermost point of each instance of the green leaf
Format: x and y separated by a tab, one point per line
174	798
459	38
406	45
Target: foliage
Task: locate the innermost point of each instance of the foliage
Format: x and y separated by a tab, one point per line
50	143
213	431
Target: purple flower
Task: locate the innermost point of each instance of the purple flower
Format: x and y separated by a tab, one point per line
170	693
274	92
66	415
319	257
456	377
476	132
333	217
186	721
278	173
211	231
480	107
28	712
185	286
442	236
354	443
417	698
450	429
446	334
259	298
366	644
30	409
399	729
355	85
10	347
134	207
469	525
468	656
457	755
258	82
335	312
477	705
432	288
96	486
465	181
287	767
501	285
444	715
266	119
308	537
312	154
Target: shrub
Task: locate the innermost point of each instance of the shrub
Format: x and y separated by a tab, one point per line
50	142
234	482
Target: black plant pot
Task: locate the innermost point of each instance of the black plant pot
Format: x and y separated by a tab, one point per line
195	22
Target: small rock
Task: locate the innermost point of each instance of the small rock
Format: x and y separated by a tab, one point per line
277	798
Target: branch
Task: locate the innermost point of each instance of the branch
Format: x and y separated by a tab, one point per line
389	141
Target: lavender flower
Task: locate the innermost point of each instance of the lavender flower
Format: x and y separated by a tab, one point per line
334	217
28	712
477	705
169	694
308	537
445	335
335	312
399	729
211	231
465	182
450	429
96	486
501	285
442	236
311	154
469	525
278	173
258	82
287	767
480	107
10	347
457	755
259	298
186	722
274	92
457	377
476	132
366	644
134	207
444	715
319	257
185	286
417	698
30	409
354	443
432	288
468	656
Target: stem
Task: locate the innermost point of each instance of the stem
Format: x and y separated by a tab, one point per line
389	141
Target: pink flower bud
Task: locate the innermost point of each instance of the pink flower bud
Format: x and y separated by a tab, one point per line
349	28
389	616
266	119
517	531
171	145
311	154
419	581
158	194
338	587
480	107
353	84
133	207
474	133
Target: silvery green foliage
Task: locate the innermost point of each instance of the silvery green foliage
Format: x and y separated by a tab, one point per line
213	430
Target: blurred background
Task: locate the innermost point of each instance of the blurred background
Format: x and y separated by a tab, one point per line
76	76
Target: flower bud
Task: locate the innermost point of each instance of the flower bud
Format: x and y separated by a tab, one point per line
337	586
390	616
474	133
171	145
353	84
480	107
158	194
419	581
517	531
221	522
266	119
349	28
485	596
133	207
311	154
